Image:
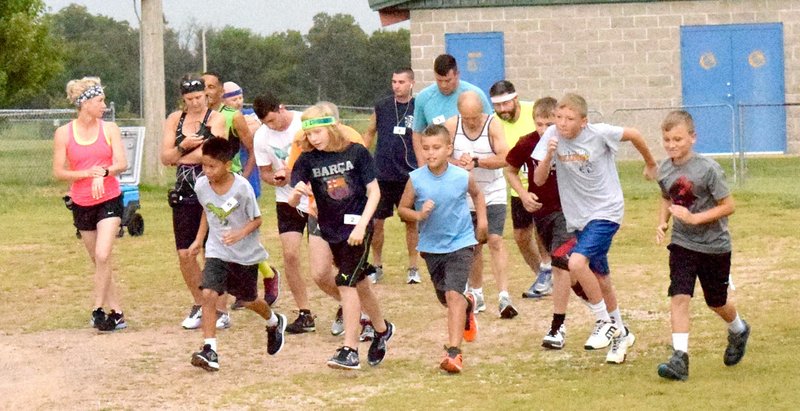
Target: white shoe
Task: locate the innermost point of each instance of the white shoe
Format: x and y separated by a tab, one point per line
377	275
337	327
602	335
480	304
619	347
223	321
557	341
413	276
192	321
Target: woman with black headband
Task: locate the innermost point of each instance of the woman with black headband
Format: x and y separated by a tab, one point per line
185	131
88	153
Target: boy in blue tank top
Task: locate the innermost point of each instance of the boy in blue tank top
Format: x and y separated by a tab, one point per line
436	197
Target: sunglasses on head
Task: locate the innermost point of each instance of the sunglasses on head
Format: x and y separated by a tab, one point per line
190	86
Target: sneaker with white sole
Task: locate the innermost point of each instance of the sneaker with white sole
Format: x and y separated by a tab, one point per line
480	303
413	276
376	273
275	335
337	327
115	321
345	358
367	331
544	282
193	320
619	347
206	359
303	324
377	350
604	332
507	309
555	341
223	320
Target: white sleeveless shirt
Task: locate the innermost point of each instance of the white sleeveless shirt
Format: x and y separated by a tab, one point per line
491	182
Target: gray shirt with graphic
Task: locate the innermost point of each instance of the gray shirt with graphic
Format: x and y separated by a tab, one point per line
231	211
588	183
698	185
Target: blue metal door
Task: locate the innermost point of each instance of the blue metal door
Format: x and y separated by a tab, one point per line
732	77
480	57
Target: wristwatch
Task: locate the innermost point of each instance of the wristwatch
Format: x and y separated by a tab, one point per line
475	162
106	172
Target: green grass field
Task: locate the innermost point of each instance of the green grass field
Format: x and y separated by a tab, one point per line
46	302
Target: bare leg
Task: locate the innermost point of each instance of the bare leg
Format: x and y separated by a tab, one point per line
679	313
456	317
530	253
579	269
412	238
192	275
99	244
351	313
322	269
609	293
497	251
209	319
260	307
377	241
727	311
476	273
290	243
561	287
369	303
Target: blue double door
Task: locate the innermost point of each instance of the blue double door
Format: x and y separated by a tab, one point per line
733	85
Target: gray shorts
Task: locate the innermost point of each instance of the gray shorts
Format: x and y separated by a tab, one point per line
496	214
450	271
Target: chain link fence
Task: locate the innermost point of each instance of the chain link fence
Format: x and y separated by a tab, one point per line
26	138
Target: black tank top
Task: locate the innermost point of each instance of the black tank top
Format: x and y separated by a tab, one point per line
204	131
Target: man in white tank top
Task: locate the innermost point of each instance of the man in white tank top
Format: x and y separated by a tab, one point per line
480	147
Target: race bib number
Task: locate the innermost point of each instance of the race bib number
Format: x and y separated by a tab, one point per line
438	119
229	205
400	131
352	219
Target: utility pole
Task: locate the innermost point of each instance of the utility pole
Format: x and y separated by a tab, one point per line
152	50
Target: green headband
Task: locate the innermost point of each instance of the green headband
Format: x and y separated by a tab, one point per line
318	122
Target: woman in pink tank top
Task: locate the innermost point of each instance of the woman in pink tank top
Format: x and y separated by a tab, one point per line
88	153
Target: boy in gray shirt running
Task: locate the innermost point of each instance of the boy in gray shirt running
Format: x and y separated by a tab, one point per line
694	192
233	251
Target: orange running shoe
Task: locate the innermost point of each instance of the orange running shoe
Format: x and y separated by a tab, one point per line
471	324
452	361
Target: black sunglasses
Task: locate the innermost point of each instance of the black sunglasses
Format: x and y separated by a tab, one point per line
190	86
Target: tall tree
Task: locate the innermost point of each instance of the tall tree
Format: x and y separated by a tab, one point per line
28	53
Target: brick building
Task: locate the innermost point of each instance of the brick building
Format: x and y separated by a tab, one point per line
632	59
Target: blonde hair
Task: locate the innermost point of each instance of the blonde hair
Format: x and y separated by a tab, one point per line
574	102
338	141
76	87
544	107
677	117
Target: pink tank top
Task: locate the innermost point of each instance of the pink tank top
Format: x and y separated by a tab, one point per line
84	156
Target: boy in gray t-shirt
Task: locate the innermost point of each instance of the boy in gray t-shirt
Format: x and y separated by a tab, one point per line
591	198
694	192
233	251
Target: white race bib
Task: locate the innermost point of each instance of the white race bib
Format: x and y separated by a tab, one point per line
400	131
439	119
351	219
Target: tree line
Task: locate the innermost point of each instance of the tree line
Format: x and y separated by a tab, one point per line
336	60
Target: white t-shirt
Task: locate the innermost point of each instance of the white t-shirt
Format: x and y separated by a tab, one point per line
273	148
588	182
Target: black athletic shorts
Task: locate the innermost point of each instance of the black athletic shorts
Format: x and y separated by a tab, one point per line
351	260
520	217
185	223
552	229
290	219
86	218
391	192
713	270
240	281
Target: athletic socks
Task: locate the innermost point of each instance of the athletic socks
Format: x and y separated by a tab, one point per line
558	321
545	267
617	317
737	325
273	320
502	294
600	311
680	341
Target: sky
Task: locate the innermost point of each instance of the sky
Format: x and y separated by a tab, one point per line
261	16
